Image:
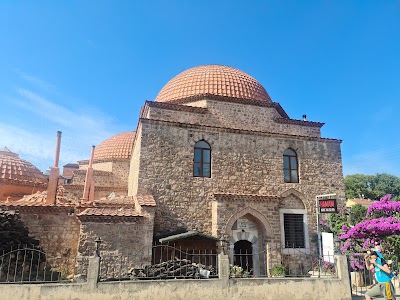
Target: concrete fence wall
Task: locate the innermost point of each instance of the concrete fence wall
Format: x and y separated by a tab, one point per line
213	289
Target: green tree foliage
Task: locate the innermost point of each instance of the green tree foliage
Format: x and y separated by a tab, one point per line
372	186
357	214
336	221
383	184
345	216
358	186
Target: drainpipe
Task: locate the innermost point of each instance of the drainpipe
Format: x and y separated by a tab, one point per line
54	174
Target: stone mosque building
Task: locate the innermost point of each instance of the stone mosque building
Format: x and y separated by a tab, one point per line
212	158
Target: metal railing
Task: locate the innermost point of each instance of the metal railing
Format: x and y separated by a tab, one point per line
281	262
167	262
27	265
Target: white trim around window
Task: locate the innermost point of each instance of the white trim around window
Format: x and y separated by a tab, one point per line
306	238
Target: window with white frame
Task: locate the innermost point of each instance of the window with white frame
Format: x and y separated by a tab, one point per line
294	229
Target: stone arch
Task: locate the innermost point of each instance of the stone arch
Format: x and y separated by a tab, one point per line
294	192
256	214
297	194
196	136
256	238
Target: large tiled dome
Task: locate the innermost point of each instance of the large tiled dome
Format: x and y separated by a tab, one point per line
117	146
213	80
14	168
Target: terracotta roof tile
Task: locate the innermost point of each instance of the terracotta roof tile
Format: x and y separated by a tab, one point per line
177	107
146	200
14	168
299	122
110	212
117	146
119	200
71	165
364	202
39	200
216	80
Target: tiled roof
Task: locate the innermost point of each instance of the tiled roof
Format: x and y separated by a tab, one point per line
110	212
299	122
214	80
117	146
71	165
364	202
118	200
177	107
39	200
14	168
146	200
185	235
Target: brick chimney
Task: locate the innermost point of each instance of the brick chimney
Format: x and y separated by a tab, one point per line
88	191
54	174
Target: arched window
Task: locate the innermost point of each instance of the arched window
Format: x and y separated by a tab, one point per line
202	159
290	169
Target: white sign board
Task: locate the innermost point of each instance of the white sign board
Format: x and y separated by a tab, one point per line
327	246
243	224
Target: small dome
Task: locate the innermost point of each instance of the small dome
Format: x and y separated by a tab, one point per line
12	167
117	146
214	80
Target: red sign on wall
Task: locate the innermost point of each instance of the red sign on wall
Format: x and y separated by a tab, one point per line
327	206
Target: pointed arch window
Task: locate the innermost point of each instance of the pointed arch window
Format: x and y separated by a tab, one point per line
202	159
290	166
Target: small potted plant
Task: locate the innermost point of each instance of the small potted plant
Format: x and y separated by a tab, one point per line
278	270
235	271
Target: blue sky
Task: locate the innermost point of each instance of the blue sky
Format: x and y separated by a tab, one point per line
86	68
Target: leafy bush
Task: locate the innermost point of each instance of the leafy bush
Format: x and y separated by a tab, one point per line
278	270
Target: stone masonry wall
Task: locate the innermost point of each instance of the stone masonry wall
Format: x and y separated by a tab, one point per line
234	115
120	171
242	162
58	232
135	163
108	177
128	243
101	166
266	212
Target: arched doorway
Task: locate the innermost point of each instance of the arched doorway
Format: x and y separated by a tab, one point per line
243	255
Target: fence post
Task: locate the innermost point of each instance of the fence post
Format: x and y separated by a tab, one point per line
342	270
93	272
223	266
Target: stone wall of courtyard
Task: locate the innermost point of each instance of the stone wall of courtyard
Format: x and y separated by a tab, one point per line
58	232
126	243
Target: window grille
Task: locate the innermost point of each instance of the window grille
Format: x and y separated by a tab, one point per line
294	230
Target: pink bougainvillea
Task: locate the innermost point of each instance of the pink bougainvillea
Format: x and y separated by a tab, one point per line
363	235
385	206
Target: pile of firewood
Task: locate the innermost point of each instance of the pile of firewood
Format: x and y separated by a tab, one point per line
177	268
13	232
